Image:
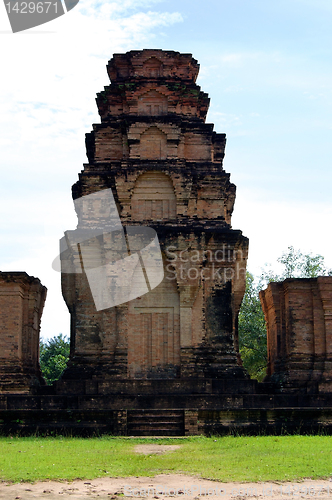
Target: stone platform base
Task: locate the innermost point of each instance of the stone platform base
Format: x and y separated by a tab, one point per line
186	387
161	414
167	422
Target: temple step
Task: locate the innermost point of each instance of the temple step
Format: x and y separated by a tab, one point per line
155	423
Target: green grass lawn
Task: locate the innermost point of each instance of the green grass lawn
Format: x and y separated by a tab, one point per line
262	458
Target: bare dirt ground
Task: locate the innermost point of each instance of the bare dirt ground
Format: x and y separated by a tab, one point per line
165	487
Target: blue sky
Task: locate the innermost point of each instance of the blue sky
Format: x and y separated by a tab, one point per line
267	68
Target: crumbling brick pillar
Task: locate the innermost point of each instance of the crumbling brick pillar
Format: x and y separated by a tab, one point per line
22	299
298	314
325	292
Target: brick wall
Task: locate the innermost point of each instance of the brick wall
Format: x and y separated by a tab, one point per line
298	315
22	300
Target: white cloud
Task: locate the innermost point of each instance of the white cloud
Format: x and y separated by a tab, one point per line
222	120
48	88
273	226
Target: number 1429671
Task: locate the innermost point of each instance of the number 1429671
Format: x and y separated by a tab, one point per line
31	7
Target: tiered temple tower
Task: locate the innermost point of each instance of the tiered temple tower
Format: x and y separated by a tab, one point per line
164	165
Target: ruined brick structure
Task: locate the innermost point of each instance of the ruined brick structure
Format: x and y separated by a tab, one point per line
165	360
22	299
164	166
298	314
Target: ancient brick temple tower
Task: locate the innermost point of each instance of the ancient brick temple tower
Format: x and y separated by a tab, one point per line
164	166
153	277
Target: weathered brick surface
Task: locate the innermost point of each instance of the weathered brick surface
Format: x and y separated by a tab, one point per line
164	165
22	300
298	314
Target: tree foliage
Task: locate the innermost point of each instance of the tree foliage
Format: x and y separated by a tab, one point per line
252	329
54	355
295	264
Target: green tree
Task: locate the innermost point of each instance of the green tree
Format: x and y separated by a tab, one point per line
252	329
296	265
54	355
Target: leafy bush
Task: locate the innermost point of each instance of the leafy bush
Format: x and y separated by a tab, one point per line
54	355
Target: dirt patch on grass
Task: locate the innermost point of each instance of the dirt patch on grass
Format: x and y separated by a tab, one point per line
165	487
156	449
